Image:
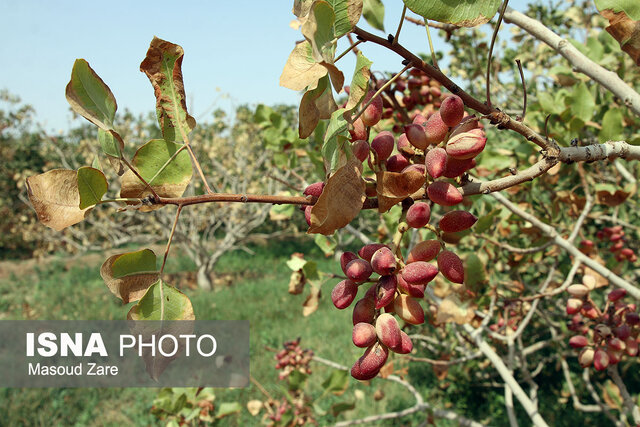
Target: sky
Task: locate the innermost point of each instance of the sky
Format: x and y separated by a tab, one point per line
234	51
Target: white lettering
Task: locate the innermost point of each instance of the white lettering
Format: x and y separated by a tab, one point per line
214	345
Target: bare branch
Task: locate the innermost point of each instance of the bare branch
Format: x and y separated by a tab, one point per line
420	405
629	404
553	234
580	62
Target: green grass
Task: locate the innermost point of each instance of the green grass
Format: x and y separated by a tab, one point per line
258	293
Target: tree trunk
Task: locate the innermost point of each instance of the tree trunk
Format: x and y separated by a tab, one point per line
204	278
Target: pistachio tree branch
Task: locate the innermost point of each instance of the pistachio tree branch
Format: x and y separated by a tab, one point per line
609	150
551	232
493	114
578	61
420	405
499	365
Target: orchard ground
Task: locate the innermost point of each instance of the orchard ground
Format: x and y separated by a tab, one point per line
252	287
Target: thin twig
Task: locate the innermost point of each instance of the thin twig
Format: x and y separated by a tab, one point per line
355	50
567	246
493	40
629	404
494	115
420	404
524	92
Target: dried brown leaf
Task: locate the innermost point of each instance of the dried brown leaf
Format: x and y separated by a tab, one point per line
297	282
310	305
399	184
452	309
626	31
604	197
55	198
393	187
340	201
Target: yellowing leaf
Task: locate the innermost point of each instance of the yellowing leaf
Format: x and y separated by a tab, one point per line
55	198
318	30
340	201
301	70
254	407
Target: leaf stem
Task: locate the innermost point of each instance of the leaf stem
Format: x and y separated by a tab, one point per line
433	52
119	200
395	39
379	91
135	172
349	49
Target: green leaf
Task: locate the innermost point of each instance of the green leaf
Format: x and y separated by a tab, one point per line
176	305
296	263
465	13
327	244
340	407
318	30
160	164
475	273
359	82
548	104
262	113
96	163
596	49
486	221
318	409
129	275
111	143
583	104
611	125
228	408
297	380
334	150
92	185
90	97
373	12
310	271
127	264
301	71
629	7
163	67
337	382
347	15
280	212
